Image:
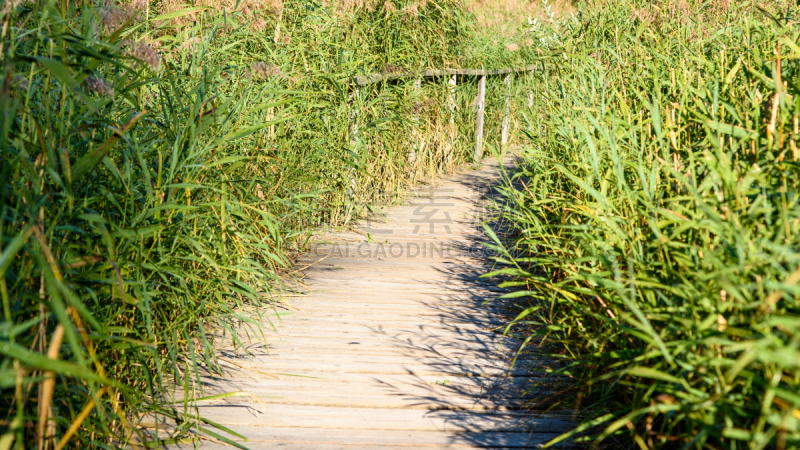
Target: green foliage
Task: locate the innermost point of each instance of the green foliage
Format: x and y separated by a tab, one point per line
656	224
159	172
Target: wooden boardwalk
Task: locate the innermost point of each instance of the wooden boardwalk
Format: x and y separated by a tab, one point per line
392	347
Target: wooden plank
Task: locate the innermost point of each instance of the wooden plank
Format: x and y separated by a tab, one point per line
318	303
331	439
347	299
482	387
407	342
322	367
384	401
324	417
405	337
390	345
356	322
381	400
479	361
434	287
449	266
375	349
334	338
428	319
291	326
411	252
389	273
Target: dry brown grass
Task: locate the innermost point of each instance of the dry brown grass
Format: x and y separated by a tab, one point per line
506	18
708	16
259	13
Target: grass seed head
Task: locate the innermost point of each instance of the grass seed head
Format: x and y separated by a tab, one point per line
21	82
425	105
114	17
258	14
512	47
100	86
189	45
262	70
646	15
411	11
11	5
389	69
139	5
145	55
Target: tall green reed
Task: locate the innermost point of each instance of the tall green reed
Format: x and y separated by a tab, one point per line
655	224
162	163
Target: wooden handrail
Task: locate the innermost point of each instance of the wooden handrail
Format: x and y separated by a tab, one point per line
378	77
452	74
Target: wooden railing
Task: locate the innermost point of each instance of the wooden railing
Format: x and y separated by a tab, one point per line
481	74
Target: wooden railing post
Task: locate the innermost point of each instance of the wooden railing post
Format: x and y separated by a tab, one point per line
479	119
506	112
416	136
451	103
530	95
353	132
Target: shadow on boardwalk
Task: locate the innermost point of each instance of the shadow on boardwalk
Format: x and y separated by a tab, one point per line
384	348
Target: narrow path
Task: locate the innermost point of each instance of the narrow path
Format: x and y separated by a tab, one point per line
392	348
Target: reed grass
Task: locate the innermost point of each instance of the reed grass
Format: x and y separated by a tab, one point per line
654	224
161	165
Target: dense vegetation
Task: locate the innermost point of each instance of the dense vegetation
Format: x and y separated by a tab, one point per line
161	163
656	223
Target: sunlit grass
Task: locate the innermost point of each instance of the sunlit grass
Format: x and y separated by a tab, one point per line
656	220
161	165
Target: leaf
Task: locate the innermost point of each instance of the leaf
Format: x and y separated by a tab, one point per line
89	161
227	160
12	248
42	362
181	13
62	73
647	372
733	130
243	132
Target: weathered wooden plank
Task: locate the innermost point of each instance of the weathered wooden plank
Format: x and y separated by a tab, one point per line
319	304
481	386
384	337
322	277
438	286
389	346
313	317
351	395
330	439
321	368
463	318
452	266
325	417
479	360
291	329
